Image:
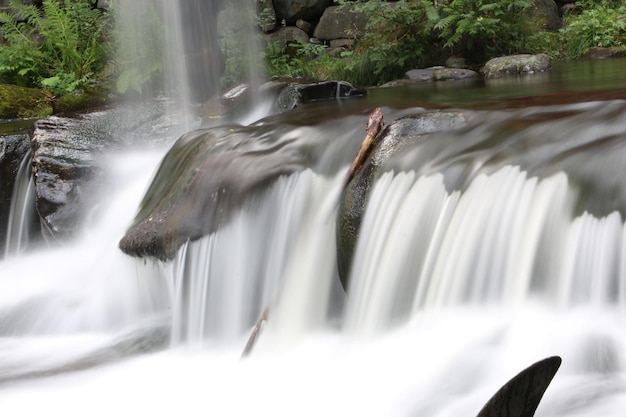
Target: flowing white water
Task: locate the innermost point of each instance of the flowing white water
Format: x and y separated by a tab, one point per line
454	294
22	209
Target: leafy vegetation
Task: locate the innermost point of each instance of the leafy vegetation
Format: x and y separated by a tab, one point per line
420	33
599	24
483	28
60	47
67	45
415	33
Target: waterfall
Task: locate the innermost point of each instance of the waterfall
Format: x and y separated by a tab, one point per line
470	266
22	210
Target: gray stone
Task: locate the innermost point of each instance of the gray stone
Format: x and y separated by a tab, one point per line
287	35
305	26
516	64
395	139
456	62
339	22
342	43
545	14
445	74
423	74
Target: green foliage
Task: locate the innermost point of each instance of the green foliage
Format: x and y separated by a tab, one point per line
596	26
60	47
483	28
280	63
398	36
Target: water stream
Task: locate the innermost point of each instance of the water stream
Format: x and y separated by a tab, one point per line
482	251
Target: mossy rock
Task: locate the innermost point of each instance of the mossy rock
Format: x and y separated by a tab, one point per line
81	100
23	103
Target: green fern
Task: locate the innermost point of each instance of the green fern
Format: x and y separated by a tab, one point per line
60	47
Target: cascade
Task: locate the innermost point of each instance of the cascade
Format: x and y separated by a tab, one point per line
471	265
22	211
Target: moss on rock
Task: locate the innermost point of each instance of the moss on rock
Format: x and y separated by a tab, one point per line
21	102
82	100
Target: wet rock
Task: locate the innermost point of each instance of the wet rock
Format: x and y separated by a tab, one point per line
63	164
515	65
203	179
66	166
396	137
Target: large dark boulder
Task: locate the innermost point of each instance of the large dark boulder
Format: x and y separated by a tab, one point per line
206	175
339	22
544	14
292	10
401	134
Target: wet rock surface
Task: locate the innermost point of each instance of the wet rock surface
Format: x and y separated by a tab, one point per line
201	182
393	140
67	151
